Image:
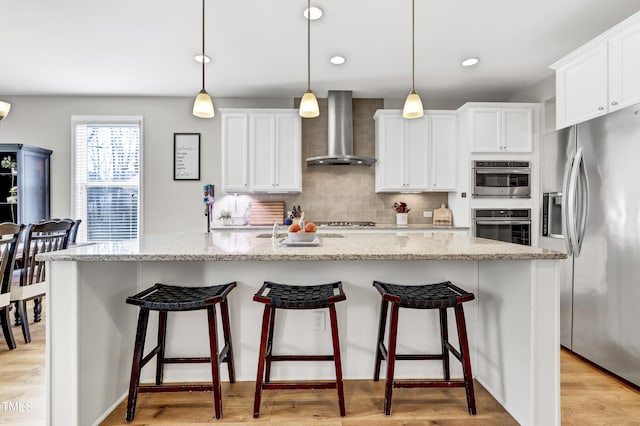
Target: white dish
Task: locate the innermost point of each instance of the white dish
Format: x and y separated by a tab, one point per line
289	243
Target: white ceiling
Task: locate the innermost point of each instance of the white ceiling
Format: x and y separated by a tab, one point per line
146	47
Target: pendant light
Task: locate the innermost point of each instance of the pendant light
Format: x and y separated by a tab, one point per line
203	105
5	107
309	104
413	104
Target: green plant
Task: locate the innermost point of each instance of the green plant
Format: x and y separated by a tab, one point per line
13	190
8	163
224	214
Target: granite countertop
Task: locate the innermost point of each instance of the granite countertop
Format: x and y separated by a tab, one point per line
242	245
378	227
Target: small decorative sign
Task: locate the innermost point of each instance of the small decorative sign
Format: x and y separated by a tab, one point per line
186	156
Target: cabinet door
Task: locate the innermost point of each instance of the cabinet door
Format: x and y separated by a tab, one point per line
235	146
517	130
262	151
443	137
624	68
390	153
581	88
288	155
485	130
417	154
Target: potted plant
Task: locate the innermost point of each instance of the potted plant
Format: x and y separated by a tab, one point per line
13	198
225	217
402	213
9	163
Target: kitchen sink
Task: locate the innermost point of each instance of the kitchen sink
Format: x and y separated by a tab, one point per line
284	235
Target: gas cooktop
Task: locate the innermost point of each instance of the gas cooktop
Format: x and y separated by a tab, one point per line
347	223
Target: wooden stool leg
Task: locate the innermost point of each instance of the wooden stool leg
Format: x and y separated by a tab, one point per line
391	357
380	343
162	338
136	365
269	352
336	357
215	365
261	359
226	329
444	338
466	360
24	318
5	320
16	314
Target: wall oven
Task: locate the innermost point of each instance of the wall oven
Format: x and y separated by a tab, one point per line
502	179
511	226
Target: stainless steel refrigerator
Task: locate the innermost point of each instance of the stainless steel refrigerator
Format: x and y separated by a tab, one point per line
592	172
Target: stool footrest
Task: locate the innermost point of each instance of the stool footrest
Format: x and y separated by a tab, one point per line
149	356
419	357
429	384
189	360
176	388
454	351
301	357
299	385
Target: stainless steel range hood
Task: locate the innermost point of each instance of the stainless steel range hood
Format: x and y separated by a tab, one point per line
340	140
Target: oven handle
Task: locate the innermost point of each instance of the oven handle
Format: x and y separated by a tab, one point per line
503	222
492	171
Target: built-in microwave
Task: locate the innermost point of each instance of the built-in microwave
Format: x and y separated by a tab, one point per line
502	179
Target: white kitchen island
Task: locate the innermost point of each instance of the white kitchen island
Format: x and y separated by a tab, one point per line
513	323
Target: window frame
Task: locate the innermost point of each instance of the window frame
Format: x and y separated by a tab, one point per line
114	120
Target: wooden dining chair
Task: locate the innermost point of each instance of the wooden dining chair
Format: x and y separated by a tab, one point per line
9	237
30	283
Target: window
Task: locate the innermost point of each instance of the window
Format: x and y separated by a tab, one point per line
107	175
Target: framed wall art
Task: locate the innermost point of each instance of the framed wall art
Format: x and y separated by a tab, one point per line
186	156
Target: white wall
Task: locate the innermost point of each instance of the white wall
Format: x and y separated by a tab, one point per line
539	92
169	206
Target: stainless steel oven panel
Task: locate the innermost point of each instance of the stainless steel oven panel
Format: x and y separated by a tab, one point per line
503	222
515	192
501	181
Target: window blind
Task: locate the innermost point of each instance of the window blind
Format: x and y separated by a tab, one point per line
107	177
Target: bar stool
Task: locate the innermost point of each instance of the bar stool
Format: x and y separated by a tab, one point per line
168	298
283	296
430	296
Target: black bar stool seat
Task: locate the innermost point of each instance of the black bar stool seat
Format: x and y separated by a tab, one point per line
284	296
428	296
170	298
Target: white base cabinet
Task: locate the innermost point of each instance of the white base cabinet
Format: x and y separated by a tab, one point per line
601	76
261	150
415	155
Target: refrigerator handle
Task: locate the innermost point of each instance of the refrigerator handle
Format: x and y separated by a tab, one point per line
566	221
584	203
572	212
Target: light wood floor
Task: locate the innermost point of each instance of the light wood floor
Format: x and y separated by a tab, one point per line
589	397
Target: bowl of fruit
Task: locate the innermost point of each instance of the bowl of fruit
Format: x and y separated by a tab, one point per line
305	234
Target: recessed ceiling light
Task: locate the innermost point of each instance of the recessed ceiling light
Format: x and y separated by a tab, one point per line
316	13
469	62
337	60
198	59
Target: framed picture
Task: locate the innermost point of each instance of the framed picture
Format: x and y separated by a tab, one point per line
186	156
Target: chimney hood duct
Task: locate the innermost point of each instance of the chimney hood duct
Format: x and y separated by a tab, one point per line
340	140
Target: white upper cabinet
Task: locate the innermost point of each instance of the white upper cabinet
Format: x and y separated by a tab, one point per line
502	129
599	77
267	158
235	152
444	141
417	154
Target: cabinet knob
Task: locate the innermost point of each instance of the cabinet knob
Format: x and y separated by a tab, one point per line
600	108
614	103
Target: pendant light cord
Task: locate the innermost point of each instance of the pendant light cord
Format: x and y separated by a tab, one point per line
413	47
308	45
203	45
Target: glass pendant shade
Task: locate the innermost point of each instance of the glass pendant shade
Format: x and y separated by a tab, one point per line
5	107
309	105
203	105
413	106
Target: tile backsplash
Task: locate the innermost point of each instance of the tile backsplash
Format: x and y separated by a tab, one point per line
342	192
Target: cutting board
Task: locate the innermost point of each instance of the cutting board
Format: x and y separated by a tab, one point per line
266	213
